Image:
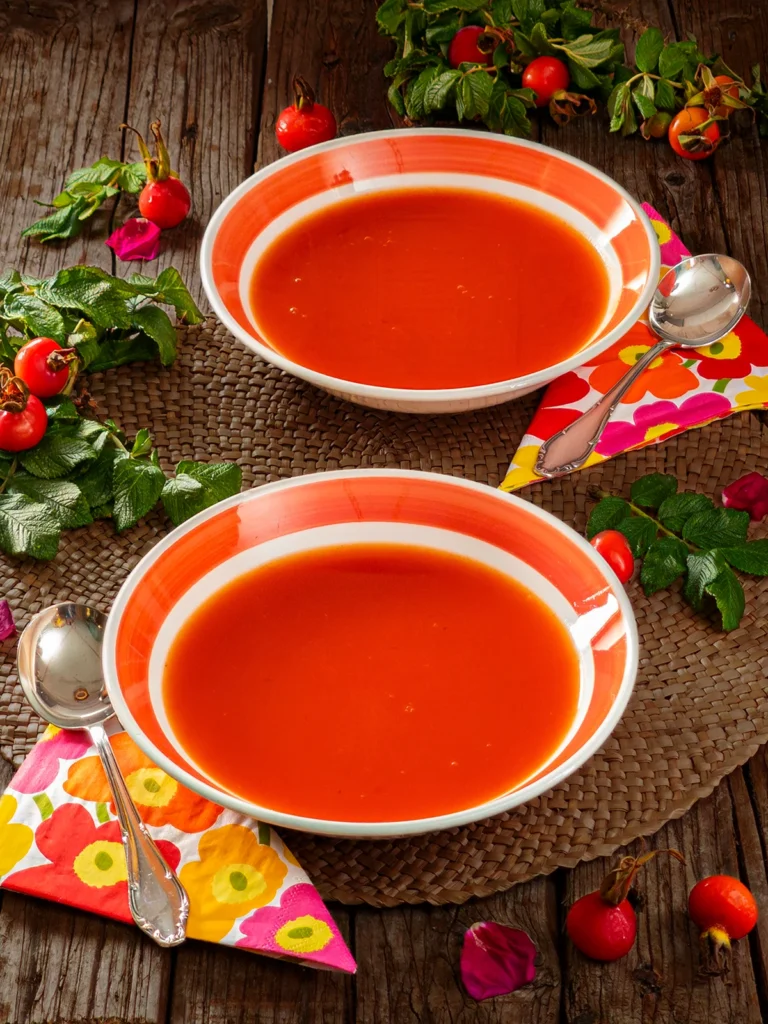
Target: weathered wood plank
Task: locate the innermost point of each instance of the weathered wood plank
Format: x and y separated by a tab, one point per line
659	978
213	985
197	67
62	93
752	825
337	48
409	962
59	965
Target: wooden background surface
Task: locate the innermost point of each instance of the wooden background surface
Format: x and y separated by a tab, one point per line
70	72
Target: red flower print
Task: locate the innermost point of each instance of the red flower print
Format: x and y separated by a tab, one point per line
87	868
735	355
565	390
666	377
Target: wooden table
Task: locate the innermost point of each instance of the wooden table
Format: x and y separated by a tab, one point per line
70	72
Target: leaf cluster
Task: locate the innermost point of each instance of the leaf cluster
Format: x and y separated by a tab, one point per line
682	535
110	321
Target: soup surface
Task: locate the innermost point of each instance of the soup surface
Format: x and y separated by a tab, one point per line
371	682
429	288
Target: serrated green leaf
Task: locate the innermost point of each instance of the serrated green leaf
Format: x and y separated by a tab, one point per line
38	316
501	12
617	106
574	22
718	528
651	490
137	488
671	61
417	87
676	510
395	95
649	47
142	444
63	223
440	90
729	596
640	532
475	90
10	281
103	172
664	563
88	290
587	50
27	527
438	6
85	339
606	515
213	482
443	29
751	557
57	454
582	77
646	107
156	323
524	44
703	568
61	409
97	482
172	291
390	16
665	95
120	351
64	498
540	40
132	177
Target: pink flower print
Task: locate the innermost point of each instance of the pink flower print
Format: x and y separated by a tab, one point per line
300	927
660	420
41	765
672	249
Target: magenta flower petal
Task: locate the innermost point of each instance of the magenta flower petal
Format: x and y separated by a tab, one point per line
749	493
7	625
137	239
496	960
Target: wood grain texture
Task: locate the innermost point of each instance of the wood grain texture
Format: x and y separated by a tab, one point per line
197	66
213	985
659	979
63	79
409	962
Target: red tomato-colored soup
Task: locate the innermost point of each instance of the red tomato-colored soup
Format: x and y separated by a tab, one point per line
429	288
371	682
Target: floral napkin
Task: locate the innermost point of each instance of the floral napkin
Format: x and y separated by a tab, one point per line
678	392
60	840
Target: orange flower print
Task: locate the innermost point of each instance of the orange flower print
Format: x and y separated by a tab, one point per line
666	377
235	875
160	799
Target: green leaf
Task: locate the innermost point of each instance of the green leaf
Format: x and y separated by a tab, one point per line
119	351
587	50
390	15
88	290
582	77
63	223
212	482
27	527
665	95
524	44
643	101
540	40
67	504
751	557
142	444
439	90
618	104
103	172
417	87
438	6
156	323
718	528
703	569
649	47
137	487
501	12
677	509
442	29
677	57
57	454
132	177
606	515
640	532
85	338
651	490
97	483
172	291
61	409
39	318
664	562
507	110
729	595
11	281
395	95
574	22
475	91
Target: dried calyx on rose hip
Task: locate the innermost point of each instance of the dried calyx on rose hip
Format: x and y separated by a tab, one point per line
164	199
724	909
750	494
23	419
306	122
603	924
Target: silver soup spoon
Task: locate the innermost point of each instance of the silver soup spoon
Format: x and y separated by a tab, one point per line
59	661
697	303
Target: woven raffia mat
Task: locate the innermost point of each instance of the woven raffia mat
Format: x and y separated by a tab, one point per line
699	707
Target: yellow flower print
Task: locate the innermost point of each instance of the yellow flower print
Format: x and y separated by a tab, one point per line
659	430
521	473
758	391
304	934
15	840
631	353
728	347
663	232
151	787
101	863
234	875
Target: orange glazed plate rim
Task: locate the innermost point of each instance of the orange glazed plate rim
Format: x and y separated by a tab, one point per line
329	383
386	829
